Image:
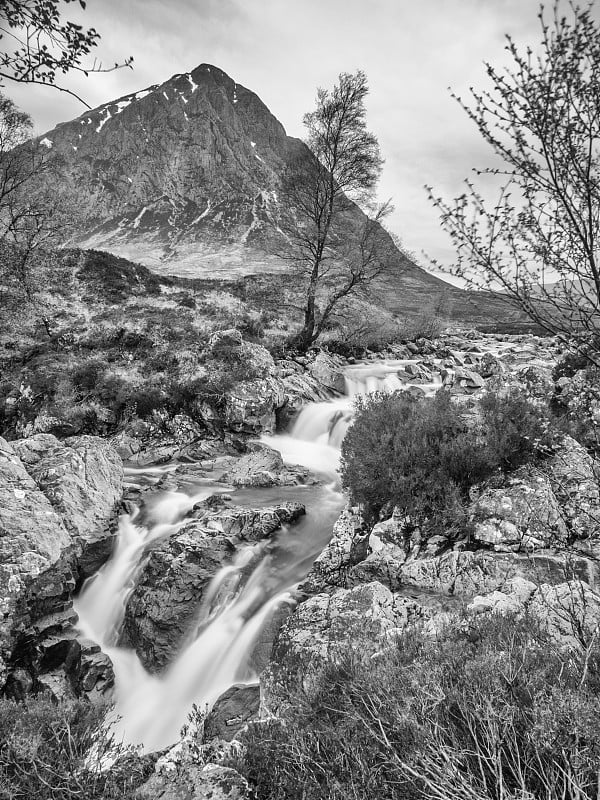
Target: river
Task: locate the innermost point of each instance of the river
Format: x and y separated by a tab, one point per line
150	710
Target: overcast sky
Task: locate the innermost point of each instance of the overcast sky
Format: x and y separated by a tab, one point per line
411	51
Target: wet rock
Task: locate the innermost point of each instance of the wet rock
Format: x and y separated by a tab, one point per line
162	610
328	371
252	524
522	514
348	546
263	466
234	708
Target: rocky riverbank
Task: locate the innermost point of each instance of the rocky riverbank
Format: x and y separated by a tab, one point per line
533	547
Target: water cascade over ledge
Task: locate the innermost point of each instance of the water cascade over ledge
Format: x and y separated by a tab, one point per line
150	710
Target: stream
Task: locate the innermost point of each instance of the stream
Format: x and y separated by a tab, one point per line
150	709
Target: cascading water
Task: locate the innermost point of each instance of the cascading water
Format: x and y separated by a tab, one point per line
151	709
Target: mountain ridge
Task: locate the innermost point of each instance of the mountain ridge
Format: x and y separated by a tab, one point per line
183	177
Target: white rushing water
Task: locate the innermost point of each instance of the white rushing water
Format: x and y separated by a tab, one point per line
150	710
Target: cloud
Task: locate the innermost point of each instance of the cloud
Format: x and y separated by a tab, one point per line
283	49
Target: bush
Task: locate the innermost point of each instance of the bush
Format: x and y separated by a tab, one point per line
516	431
88	374
44	747
424	456
488	710
418	455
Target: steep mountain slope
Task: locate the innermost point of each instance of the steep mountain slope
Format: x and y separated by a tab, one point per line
183	177
180	176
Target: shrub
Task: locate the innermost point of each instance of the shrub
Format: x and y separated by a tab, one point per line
516	430
43	752
425	326
88	374
419	455
487	710
424	456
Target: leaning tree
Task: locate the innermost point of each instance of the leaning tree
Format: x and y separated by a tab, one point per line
529	226
338	248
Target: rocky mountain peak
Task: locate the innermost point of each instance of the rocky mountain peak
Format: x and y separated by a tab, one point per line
180	176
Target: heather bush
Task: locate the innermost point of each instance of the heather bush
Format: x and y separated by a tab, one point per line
45	752
516	430
424	455
490	709
419	455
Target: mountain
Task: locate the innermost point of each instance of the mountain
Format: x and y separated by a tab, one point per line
183	178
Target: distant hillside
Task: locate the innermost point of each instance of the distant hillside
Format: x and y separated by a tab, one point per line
183	177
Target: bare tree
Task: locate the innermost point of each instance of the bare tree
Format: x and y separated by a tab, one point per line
538	242
32	219
338	249
39	46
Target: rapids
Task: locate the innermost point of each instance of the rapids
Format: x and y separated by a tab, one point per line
150	710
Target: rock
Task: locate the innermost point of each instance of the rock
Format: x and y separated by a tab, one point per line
230	339
252	524
325	627
234	708
195	782
512	600
250	407
348	546
469	573
537	381
468	379
490	365
263	466
327	370
83	480
163	608
574	474
522	514
55	505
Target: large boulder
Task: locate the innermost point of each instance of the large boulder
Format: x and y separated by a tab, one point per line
252	524
521	514
328	371
164	605
250	407
349	545
168	604
56	505
263	466
83	480
327	626
234	708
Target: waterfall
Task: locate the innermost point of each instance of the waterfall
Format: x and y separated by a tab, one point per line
150	710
